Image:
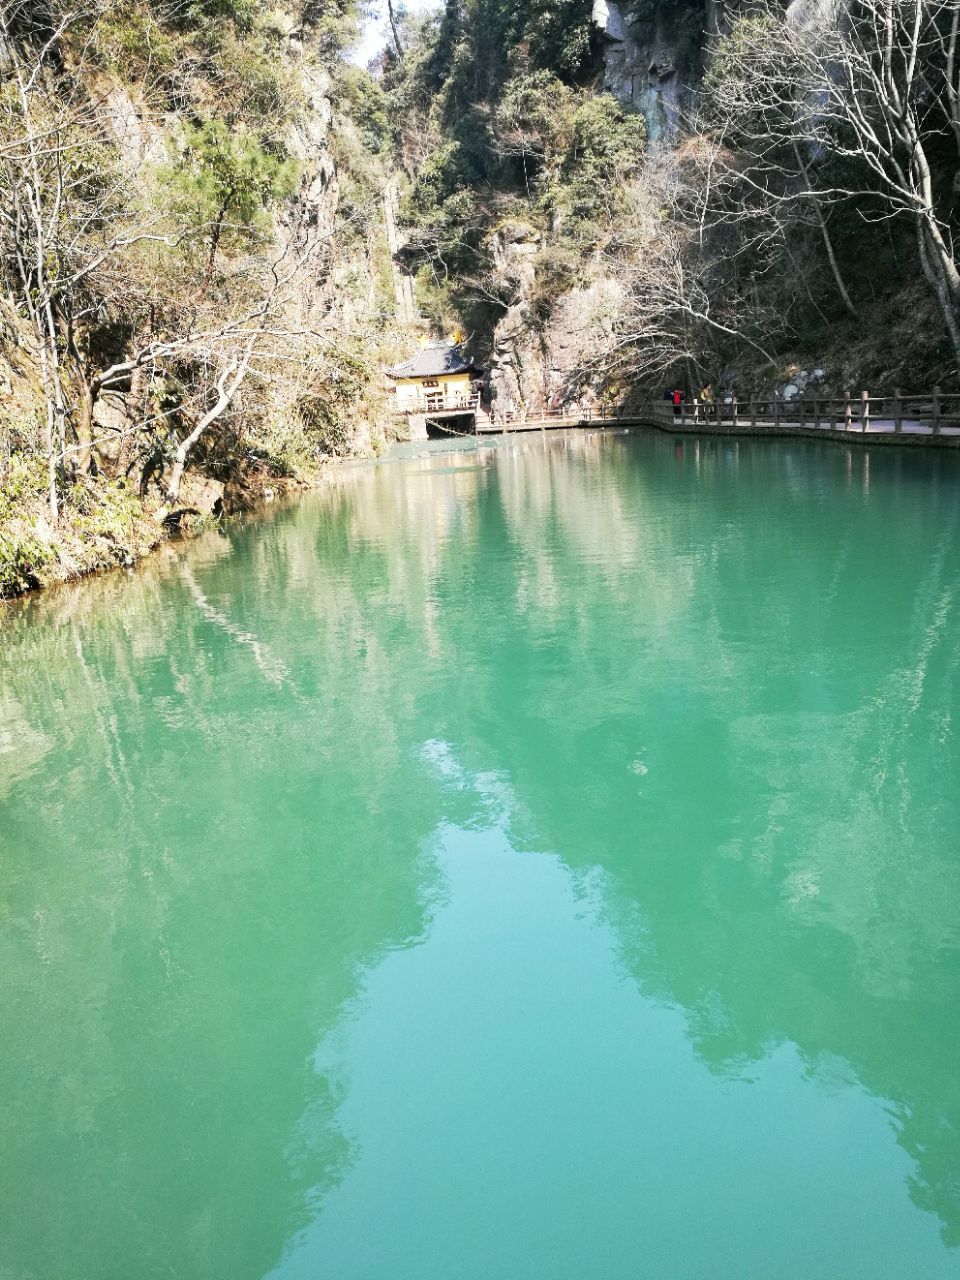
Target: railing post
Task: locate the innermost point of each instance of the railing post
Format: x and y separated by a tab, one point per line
897	410
736	412
776	410
803	421
753	413
864	411
816	413
935	420
848	412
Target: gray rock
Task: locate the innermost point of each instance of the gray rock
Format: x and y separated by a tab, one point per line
652	57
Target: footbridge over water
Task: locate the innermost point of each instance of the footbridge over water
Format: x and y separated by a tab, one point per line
931	419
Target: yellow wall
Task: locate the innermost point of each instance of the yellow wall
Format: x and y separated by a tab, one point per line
412	394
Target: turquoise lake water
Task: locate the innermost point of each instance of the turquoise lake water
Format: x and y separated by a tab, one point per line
535	862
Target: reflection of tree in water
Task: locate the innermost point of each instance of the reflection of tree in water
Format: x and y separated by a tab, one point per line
710	716
752	736
167	971
794	864
632	704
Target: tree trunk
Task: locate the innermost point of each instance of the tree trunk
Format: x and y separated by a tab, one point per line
396	31
214	246
228	384
940	287
183	449
84	421
825	233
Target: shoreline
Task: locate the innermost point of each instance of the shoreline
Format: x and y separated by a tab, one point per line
287	490
163	534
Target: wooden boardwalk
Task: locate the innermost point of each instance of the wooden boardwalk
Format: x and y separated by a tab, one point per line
933	419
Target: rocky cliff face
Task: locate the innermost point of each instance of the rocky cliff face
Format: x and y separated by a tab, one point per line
654	51
652	56
536	362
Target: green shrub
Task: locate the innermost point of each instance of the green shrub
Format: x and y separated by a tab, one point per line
558	35
23	557
24	483
606	148
557	271
364	100
102	511
222	175
240	13
325	425
128	37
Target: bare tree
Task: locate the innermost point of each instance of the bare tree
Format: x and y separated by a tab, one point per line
872	86
679	302
75	249
64	196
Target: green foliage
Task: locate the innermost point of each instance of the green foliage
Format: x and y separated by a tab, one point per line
335	397
558	36
240	13
583	147
358	209
23	552
356	143
324	425
606	149
496	98
129	37
332	25
557	270
101	523
254	86
534	103
363	99
472	49
24	481
227	174
382	270
23	557
217	76
532	125
442	173
107	511
435	297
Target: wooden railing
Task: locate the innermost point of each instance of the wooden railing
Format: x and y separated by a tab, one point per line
928	414
441	404
508	418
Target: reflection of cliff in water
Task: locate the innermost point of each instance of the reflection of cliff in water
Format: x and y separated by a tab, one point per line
707	727
182	917
512	1100
632	705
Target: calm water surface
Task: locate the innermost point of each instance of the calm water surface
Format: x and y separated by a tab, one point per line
535	863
